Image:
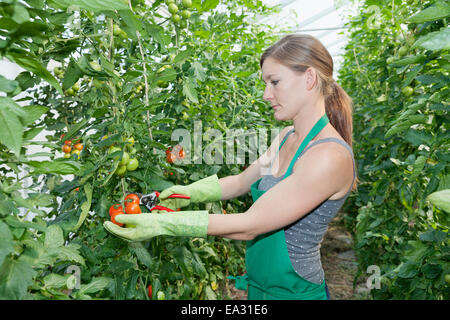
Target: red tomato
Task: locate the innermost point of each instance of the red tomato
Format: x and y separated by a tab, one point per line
115	208
133	208
131	198
68	142
113	218
66	148
149	288
78	146
171	158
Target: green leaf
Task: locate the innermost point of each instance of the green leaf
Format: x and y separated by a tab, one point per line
131	24
73	130
92	5
408	269
141	253
440	10
209	293
189	90
432	270
207	5
54	237
15	277
183	55
95	285
28	63
441	199
72	74
6	247
411	75
14	222
434	41
8	85
433	235
199	71
33	113
20	14
58	166
86	206
400	127
11	126
54	280
418	166
167	75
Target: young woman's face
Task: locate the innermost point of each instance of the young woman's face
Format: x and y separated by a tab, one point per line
285	89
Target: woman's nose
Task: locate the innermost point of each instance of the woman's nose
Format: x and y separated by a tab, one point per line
267	94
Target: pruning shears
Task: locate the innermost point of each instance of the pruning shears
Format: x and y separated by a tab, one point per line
150	201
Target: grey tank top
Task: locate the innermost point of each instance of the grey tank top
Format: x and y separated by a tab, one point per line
303	237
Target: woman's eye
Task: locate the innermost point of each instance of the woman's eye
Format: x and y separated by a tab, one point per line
274	82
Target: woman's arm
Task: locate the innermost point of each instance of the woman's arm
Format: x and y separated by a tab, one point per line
324	171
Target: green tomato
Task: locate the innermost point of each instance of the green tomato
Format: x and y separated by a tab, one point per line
58	71
407	91
447	278
70	92
390	60
120	171
170	1
162	84
187	3
95	66
186	14
176	18
67	155
125	159
173	8
132	151
113	149
161	295
133	164
116	30
123	34
402	51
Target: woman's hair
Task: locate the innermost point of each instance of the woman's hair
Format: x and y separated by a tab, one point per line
301	51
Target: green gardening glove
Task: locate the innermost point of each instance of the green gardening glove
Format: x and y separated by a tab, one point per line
204	190
149	225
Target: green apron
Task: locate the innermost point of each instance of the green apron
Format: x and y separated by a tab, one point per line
270	275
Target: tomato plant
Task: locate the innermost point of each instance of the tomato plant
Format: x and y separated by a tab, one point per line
397	74
92	72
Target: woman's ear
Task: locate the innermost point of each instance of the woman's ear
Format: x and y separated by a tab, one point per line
310	78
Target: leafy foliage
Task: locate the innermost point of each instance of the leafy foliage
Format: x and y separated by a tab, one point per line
396	69
125	71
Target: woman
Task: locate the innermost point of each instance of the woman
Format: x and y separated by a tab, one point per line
310	177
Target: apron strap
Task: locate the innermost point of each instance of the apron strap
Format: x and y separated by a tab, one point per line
323	121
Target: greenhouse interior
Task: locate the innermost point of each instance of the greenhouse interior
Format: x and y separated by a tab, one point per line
159	149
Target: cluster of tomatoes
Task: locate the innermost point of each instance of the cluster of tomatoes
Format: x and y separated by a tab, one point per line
70	148
126	163
175	153
175	11
131	207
